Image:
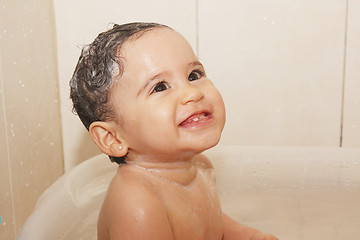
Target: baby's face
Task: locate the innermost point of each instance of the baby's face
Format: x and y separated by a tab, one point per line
168	108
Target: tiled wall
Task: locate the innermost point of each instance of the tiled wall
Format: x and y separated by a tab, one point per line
30	131
284	63
351	127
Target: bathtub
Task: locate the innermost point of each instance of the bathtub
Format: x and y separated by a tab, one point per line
304	193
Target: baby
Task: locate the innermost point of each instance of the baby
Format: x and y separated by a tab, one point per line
146	100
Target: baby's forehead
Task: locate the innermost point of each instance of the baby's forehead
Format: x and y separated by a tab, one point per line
161	37
159	49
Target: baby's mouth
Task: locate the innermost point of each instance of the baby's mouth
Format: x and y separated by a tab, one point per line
197	118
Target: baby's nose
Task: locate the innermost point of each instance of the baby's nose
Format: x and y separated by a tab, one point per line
191	93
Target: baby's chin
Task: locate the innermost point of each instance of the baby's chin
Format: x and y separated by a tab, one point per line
201	147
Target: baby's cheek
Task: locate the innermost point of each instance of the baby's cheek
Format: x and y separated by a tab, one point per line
219	107
217	100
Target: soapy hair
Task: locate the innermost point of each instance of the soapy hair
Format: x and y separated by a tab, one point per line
98	65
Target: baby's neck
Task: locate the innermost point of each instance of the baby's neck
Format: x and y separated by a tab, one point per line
182	172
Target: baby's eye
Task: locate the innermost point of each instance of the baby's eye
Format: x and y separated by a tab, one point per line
194	75
159	87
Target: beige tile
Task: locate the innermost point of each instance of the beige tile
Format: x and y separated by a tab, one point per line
7	228
279	66
351	127
30	94
76	27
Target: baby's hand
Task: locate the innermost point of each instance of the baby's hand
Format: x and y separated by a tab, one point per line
236	231
263	236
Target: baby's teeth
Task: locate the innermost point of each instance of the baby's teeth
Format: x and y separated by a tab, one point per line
196	119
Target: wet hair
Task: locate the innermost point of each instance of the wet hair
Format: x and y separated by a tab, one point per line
98	65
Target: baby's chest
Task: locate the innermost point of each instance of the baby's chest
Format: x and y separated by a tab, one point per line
194	212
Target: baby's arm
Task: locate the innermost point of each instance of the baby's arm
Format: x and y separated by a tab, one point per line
135	213
236	231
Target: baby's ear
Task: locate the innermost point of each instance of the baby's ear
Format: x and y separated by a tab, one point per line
107	139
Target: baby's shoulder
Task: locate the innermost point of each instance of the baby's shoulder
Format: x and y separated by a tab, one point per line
127	192
131	199
125	182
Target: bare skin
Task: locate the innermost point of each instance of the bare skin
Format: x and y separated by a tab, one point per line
170	112
181	203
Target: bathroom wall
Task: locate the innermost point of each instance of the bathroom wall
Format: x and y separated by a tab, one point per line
287	70
30	131
351	124
287	63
